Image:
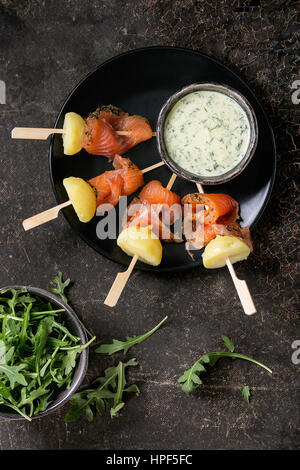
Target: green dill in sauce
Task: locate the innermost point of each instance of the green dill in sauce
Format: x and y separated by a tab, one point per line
207	133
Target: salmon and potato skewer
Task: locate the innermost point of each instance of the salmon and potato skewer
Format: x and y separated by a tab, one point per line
140	242
107	131
86	196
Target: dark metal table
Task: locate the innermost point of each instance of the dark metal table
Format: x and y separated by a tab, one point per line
44	52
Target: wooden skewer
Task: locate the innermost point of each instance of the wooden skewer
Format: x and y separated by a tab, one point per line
39	133
242	290
119	284
172	181
152	167
44	217
52	213
241	286
200	188
34	133
122	278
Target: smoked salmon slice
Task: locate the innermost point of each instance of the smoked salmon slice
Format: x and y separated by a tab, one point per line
139	130
233	230
101	138
219	208
158	207
155	193
132	176
112	114
205	233
102	186
141	213
219	217
123	181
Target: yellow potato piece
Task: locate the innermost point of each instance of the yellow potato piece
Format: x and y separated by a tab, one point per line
220	248
82	196
74	127
143	242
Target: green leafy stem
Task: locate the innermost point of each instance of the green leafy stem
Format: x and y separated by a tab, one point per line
130	341
190	380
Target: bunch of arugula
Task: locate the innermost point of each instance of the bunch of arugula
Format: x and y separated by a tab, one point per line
191	380
107	391
38	353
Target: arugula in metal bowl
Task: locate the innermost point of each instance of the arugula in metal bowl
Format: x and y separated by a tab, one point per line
38	353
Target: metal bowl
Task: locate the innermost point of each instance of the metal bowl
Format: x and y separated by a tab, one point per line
231	93
76	328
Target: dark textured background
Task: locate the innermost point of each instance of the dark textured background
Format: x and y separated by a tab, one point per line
46	47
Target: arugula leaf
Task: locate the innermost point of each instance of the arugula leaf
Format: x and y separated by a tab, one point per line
9	354
44	402
12	303
60	286
25	322
246	393
83	401
65	331
80	404
2	352
78	347
120	371
69	361
13	374
130	341
43	331
15	408
5	393
114	412
228	343
28	399
107	395
191	380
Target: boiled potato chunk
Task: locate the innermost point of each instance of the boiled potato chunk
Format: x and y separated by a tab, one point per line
143	242
220	248
82	196
74	127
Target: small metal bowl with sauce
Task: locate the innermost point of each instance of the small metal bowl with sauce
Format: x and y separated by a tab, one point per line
176	139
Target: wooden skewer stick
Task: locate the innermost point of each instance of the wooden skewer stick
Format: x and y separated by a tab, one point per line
242	290
122	278
44	217
152	167
39	133
200	188
171	182
34	133
52	213
241	286
119	284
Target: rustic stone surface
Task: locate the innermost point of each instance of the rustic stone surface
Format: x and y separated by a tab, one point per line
45	48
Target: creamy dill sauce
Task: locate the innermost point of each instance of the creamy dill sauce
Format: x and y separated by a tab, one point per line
207	133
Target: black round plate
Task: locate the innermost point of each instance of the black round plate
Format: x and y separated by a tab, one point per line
140	81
